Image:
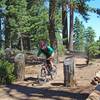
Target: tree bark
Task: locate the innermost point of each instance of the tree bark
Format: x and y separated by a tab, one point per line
7	34
21	39
20	66
65	23
69	71
52	10
71	28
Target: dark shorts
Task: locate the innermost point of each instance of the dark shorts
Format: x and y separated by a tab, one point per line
48	62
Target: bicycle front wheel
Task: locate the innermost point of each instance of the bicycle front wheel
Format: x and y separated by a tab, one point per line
53	72
43	72
42	76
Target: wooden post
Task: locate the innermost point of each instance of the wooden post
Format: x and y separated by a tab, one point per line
20	66
69	71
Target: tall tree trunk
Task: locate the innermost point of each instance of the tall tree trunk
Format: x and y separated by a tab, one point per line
21	40
28	43
7	33
63	11
52	10
71	28
65	22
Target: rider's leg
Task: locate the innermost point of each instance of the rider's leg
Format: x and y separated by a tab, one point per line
51	60
48	63
51	63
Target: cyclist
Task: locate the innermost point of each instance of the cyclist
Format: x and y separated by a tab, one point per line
47	51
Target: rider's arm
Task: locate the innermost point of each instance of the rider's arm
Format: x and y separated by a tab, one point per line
51	52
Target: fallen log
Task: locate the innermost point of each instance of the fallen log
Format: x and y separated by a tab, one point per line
95	95
96	79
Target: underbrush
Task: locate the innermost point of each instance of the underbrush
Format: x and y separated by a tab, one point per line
6	72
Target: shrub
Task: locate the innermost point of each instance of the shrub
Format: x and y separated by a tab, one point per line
1	53
6	72
93	49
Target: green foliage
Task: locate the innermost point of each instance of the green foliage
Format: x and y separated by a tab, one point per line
93	49
6	72
79	35
58	16
38	37
90	45
2	3
38	21
60	47
16	20
1	53
29	18
89	35
84	39
98	42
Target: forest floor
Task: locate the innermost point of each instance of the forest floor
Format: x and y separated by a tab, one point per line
53	90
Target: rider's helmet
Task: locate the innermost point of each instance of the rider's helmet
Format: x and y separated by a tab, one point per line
42	44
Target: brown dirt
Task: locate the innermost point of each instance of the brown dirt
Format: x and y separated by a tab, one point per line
53	90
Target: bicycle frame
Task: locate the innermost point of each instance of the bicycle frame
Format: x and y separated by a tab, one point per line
47	70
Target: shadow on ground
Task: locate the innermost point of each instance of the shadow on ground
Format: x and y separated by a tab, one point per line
82	65
41	92
30	79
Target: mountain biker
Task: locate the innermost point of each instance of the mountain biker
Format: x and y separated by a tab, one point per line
47	51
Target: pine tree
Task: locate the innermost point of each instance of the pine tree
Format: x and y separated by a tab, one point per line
38	20
89	42
78	35
52	12
16	20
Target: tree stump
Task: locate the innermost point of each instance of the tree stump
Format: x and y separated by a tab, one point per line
8	53
69	71
20	66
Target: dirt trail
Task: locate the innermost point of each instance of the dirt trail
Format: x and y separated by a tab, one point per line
53	90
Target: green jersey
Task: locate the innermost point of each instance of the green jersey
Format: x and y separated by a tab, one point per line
47	52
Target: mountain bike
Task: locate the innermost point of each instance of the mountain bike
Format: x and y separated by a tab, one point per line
46	71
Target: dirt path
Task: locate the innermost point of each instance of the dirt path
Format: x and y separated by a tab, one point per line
53	90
